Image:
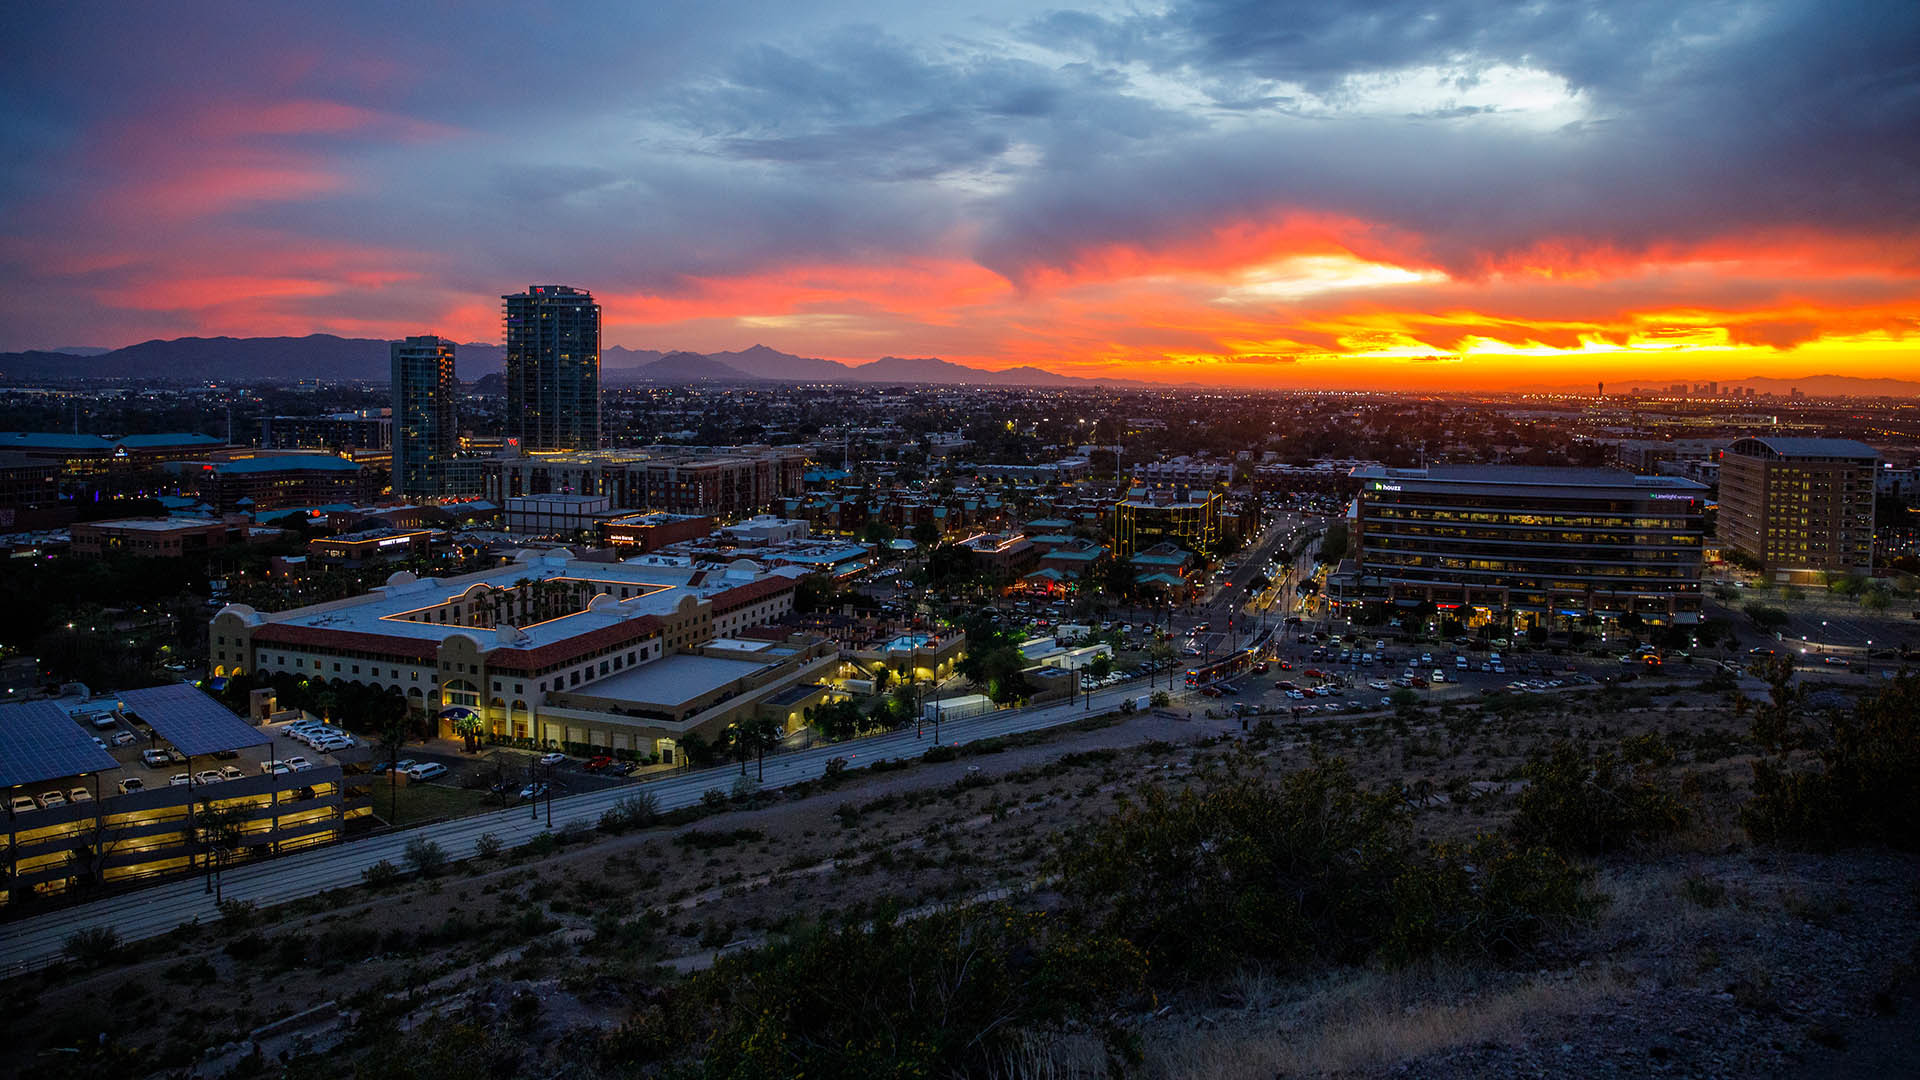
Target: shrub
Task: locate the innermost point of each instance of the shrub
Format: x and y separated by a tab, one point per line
92	945
238	914
939	754
425	857
380	874
1861	785
713	799
574	832
1485	898
487	845
1160	699
1592	806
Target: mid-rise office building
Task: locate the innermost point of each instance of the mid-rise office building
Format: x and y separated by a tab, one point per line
1544	546
1186	517
367	429
553	368
266	483
726	481
426	429
1799	505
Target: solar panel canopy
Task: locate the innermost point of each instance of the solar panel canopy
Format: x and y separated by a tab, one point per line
193	722
39	741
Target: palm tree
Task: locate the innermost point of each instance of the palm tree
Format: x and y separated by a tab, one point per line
469	728
218	830
393	739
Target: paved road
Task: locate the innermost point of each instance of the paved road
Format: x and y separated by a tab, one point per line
147	913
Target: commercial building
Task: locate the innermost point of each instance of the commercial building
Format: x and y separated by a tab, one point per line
426	426
267	483
79	814
27	481
727	481
1799	506
552	515
1542	545
506	643
370	547
93	455
1189	517
651	531
155	538
553	368
367	429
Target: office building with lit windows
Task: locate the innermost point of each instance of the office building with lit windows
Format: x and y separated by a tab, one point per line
1799	506
1187	517
426	429
1541	546
553	368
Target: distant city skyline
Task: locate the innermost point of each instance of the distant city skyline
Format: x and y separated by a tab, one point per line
1459	195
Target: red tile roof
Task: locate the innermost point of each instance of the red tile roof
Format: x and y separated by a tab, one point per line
607	637
741	595
423	650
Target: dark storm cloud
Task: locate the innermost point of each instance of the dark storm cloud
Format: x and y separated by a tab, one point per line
1704	119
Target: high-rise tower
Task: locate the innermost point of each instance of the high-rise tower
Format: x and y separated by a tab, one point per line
553	368
425	415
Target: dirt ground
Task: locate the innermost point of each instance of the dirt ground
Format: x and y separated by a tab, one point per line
1781	969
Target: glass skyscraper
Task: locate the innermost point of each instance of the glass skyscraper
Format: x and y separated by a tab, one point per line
425	421
553	368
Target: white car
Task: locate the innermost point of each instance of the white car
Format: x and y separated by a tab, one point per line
552	759
331	746
1439	676
208	776
153	759
426	770
179	779
79	795
298	764
51	799
123	738
231	772
130	785
23	803
273	768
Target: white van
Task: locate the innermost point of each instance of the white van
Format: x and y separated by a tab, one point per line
426	770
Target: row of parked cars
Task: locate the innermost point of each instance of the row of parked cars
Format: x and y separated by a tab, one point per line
322	737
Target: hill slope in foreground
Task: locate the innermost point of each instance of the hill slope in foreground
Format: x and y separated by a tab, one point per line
586	956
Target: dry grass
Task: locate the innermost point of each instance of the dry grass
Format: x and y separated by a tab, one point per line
1371	1020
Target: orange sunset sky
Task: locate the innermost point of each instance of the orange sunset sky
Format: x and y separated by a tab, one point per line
1453	195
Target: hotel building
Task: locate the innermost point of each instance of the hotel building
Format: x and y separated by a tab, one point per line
521	644
1799	506
1542	545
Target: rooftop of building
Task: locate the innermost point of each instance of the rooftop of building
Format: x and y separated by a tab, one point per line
1797	447
166	524
676	679
662	589
55	440
284	463
1527	475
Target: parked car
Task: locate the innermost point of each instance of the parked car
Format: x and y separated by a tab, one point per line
298	764
208	776
51	799
130	785
229	772
552	759
533	791
273	768
123	738
153	758
179	779
622	768
400	766
426	770
23	803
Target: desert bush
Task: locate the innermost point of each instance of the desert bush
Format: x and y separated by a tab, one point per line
380	873
1487	898
1859	785
238	914
859	995
487	845
939	753
92	945
425	857
1592	805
